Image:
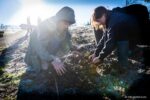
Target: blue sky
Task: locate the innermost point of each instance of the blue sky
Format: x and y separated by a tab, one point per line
83	2
7	9
16	11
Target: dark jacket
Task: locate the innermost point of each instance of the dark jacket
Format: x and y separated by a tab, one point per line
120	27
98	35
45	42
140	12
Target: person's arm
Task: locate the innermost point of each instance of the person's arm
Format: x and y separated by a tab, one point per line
41	44
40	49
100	45
98	35
109	46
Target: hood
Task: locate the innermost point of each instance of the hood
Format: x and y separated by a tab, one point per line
67	14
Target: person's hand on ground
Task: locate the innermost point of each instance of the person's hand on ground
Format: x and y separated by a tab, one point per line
96	60
58	66
91	57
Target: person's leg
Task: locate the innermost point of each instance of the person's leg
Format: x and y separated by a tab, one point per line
123	51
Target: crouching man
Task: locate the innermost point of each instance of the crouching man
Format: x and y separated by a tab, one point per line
49	41
121	33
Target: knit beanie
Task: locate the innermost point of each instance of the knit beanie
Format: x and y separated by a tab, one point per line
66	14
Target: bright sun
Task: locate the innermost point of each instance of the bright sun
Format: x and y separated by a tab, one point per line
34	11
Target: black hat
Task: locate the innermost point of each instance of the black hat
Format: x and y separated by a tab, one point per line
67	14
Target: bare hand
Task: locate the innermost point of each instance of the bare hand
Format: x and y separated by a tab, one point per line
58	66
96	60
91	57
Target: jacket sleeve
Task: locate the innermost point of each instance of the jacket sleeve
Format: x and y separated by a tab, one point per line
98	35
109	45
100	44
42	43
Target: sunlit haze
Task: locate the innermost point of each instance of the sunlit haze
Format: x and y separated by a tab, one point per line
34	9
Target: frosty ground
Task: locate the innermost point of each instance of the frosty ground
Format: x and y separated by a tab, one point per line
106	79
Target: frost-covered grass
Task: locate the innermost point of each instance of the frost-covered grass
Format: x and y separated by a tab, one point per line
106	79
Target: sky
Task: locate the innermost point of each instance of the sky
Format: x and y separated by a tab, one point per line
15	12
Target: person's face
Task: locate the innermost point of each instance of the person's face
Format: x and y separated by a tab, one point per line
102	20
63	26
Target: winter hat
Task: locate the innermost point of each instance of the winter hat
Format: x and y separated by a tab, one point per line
67	14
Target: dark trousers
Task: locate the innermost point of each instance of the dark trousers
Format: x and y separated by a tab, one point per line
123	52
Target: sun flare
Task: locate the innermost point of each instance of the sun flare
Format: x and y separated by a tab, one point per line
34	11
